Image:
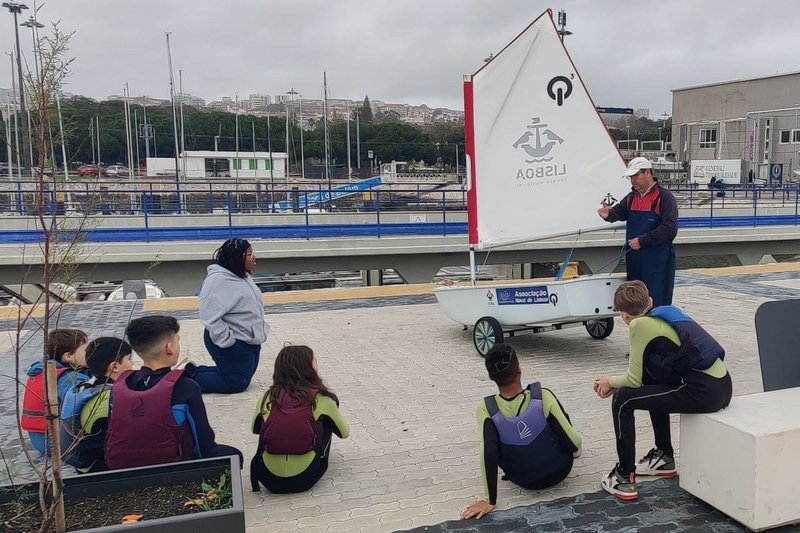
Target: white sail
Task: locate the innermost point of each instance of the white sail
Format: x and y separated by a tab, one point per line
543	159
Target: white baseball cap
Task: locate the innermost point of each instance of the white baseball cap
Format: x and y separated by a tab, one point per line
636	164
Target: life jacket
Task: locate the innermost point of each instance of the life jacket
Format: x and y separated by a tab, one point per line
529	449
33	407
141	429
88	449
291	428
667	363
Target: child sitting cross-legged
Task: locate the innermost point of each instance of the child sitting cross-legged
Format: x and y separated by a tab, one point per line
157	414
295	421
84	413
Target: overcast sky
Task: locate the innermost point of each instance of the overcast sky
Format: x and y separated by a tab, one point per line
629	53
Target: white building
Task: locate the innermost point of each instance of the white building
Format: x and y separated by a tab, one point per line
211	164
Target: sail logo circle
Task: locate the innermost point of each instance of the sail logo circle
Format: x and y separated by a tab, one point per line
559	89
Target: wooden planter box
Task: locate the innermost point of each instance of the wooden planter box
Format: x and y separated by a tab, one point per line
92	485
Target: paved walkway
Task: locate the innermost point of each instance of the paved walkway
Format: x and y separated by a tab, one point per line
409	382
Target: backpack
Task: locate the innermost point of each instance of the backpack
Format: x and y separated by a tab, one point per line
667	363
87	450
291	428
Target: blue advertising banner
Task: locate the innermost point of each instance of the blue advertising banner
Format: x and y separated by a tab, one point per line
522	295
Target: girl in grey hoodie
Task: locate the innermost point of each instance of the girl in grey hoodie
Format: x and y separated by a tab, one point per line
232	313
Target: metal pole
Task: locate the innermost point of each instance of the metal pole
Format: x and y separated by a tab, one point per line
146	131
327	135
91	139
237	162
16	8
63	138
358	138
97	140
136	129
286	110
302	153
7	120
174	122
127	125
183	139
16	120
271	165
349	167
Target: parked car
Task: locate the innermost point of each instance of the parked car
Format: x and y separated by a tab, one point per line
89	170
118	171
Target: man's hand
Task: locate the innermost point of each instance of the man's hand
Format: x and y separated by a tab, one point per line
634	244
603	212
477	509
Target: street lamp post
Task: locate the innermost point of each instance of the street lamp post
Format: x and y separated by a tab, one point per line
16	9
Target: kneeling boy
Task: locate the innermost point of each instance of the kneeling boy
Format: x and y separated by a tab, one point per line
157	414
524	431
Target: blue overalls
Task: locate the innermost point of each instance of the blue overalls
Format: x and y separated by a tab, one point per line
654	265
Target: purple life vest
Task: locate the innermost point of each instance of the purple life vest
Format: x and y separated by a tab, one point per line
529	449
291	428
142	430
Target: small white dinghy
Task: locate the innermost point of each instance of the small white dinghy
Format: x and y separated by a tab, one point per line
540	162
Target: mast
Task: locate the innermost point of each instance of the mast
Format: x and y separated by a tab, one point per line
327	133
183	139
349	167
174	123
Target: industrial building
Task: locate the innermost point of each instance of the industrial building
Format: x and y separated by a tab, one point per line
753	121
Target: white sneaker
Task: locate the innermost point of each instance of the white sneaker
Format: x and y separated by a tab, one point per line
656	463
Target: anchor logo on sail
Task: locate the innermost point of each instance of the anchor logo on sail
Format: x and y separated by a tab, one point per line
531	141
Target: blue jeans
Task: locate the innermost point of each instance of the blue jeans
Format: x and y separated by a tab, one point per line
235	367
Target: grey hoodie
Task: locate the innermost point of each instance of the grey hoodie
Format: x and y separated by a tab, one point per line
231	308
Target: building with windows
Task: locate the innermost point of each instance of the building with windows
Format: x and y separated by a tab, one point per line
752	120
211	164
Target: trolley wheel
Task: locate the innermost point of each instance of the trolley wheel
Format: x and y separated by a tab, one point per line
486	333
600	329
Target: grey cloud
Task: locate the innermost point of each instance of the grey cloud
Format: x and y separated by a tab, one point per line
629	53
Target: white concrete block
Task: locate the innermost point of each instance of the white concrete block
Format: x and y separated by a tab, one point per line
743	459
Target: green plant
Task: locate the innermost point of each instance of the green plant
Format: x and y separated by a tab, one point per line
213	497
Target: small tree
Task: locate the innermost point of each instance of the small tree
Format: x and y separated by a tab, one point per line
366	111
58	245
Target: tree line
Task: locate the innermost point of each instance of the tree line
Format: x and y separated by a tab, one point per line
387	138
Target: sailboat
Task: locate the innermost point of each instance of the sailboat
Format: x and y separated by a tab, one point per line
540	162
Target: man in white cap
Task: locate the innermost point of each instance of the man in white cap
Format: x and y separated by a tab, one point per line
651	214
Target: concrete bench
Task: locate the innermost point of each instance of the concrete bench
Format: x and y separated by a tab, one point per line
743	459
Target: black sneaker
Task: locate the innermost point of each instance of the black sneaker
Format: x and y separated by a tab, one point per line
656	463
621	487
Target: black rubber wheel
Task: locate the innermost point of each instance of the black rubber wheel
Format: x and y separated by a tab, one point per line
600	329
486	333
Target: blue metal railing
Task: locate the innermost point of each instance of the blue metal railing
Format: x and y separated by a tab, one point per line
134	215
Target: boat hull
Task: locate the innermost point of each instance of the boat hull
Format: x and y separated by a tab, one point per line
532	303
